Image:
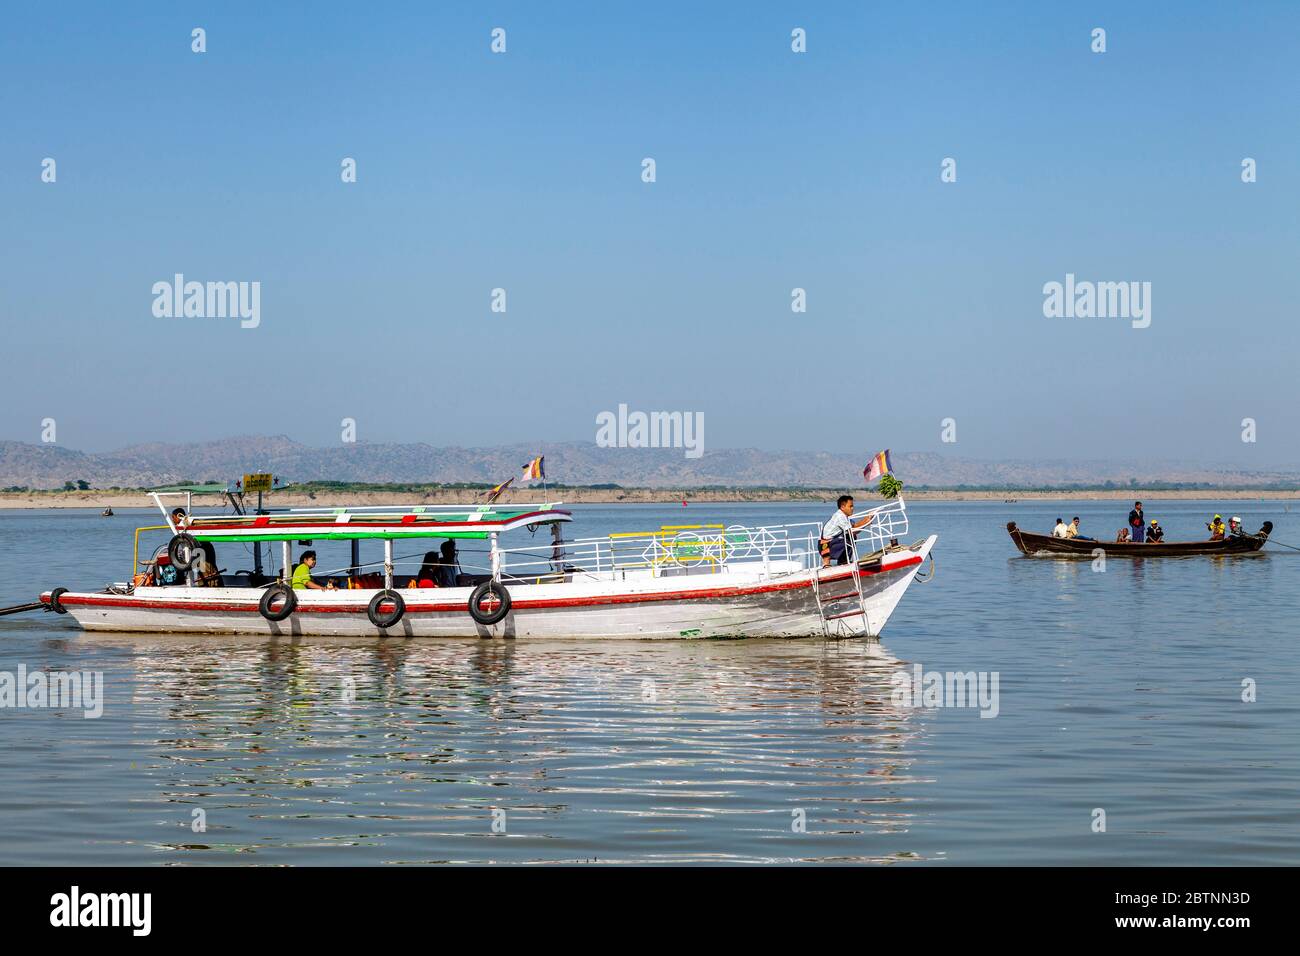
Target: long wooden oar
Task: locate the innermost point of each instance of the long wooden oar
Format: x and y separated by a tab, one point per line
1280	544
1269	540
18	608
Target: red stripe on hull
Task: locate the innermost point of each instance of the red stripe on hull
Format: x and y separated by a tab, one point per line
523	605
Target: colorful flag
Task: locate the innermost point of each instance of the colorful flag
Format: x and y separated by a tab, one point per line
878	467
534	469
495	493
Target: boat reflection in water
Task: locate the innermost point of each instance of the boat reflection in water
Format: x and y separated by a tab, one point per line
411	751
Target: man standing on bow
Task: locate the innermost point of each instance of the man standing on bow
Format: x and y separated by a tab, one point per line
1137	526
837	533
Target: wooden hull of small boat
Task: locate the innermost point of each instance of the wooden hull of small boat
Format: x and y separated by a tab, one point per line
698	606
1046	545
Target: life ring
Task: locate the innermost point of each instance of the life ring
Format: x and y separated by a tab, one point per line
55	606
380	619
269	597
182	560
488	618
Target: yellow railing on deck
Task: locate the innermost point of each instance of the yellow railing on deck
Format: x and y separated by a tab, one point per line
136	551
666	549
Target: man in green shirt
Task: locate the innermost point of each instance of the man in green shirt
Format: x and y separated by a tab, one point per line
302	574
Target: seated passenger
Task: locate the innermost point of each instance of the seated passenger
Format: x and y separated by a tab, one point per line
1234	527
430	573
1073	531
1216	528
1156	533
207	574
1061	530
302	574
1122	537
446	577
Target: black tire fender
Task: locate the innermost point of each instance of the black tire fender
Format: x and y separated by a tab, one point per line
488	618
269	596
55	606
377	617
191	551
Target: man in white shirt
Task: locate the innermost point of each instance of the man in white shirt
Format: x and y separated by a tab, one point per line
837	531
1061	530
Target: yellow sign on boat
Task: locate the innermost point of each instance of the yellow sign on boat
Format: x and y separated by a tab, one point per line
257	482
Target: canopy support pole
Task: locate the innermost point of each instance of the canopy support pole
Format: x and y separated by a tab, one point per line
388	563
287	549
496	557
257	546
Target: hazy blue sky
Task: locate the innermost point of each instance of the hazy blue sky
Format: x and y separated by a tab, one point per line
775	170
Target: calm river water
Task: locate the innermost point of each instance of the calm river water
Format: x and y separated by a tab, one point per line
1119	691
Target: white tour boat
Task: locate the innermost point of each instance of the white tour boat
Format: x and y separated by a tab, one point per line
681	581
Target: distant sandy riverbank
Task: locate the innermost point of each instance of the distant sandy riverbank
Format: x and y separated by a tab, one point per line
115	499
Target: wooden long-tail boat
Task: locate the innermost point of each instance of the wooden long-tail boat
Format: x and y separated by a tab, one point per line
1046	545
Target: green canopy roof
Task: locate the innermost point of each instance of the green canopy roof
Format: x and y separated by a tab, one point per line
210	488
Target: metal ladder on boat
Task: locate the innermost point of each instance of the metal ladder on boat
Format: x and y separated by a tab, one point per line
826	604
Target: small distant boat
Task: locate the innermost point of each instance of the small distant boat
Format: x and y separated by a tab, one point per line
1046	545
106	513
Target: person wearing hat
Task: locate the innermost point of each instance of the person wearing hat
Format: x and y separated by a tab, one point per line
1216	528
1234	527
1155	533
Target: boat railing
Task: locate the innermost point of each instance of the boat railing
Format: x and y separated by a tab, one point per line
138	564
673	549
698	549
888	523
